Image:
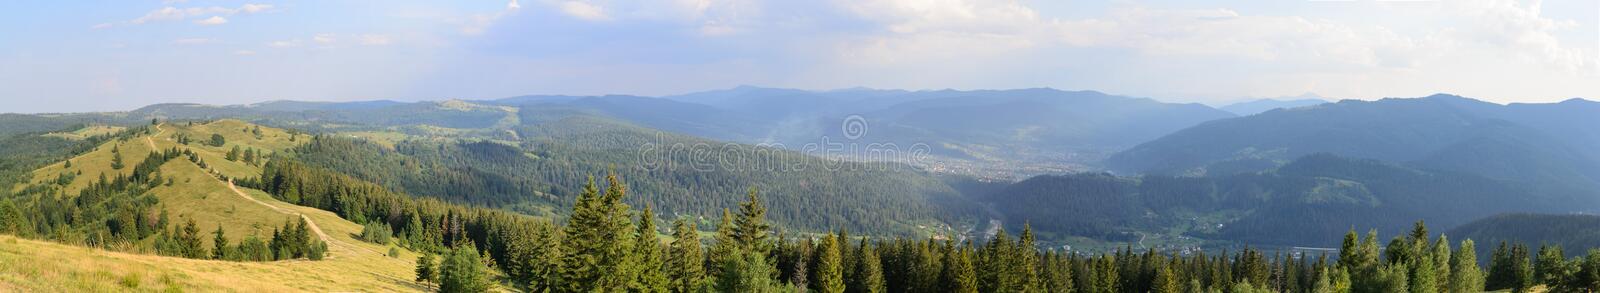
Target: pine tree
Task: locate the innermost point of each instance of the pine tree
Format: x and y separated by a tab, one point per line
219	246
427	271
1165	281
116	159
868	271
546	274
958	275
189	239
750	227
1501	275
598	236
233	155
1441	264
1103	276
828	274
725	249
463	271
685	267
1550	266
1323	284
1522	271
647	250
1422	278
1464	273
1025	261
218	141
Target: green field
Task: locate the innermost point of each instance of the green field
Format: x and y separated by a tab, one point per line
351	265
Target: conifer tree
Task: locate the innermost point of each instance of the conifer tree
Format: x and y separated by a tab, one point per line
751	228
958	275
1323	284
427	271
1165	281
647	250
1464	273
546	271
463	271
725	250
189	240
1550	266
219	244
116	159
1025	261
1441	264
868	271
1522	270
1422	278
828	274
597	240
685	267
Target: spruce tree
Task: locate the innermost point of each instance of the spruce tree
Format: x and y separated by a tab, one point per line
1522	270
868	271
1501	269
1025	261
751	228
1464	273
725	250
685	267
427	271
1550	266
219	246
1422	278
546	271
1165	281
828	274
463	271
959	275
650	260
1441	264
116	159
598	236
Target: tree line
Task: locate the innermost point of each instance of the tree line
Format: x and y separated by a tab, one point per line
606	245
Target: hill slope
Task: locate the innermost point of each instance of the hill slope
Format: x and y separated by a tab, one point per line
188	192
1307	202
1439	132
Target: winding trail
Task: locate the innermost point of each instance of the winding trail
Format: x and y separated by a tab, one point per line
309	223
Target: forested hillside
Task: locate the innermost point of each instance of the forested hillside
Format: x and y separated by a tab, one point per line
1572	231
1322	193
1441	132
807	192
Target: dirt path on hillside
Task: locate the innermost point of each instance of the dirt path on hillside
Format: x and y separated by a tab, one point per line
309	223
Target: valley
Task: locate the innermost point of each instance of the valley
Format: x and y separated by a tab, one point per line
246	170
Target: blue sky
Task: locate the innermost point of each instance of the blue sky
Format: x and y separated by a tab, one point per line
119	55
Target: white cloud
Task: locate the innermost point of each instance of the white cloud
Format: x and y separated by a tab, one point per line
476	24
375	40
324	39
584	10
214	20
171	13
102	26
244	53
284	44
192	41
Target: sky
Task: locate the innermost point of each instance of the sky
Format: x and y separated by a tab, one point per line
75	56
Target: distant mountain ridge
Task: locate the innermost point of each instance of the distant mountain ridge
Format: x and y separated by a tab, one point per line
1527	142
1257	106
